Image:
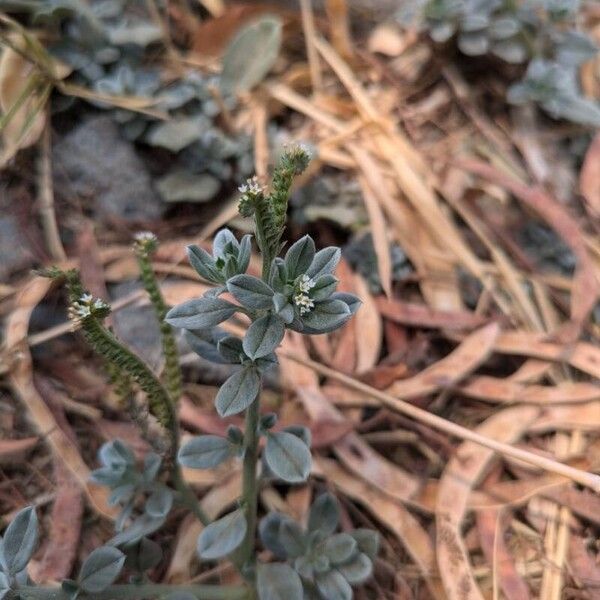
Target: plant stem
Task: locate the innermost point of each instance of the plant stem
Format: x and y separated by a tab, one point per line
249	482
138	592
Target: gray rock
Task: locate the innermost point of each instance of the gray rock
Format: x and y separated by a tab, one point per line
94	163
14	250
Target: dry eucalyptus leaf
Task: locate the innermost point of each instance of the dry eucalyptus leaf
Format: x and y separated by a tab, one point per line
251	55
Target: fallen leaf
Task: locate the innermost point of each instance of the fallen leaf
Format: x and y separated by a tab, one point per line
589	179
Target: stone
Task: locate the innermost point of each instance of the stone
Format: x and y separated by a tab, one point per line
95	164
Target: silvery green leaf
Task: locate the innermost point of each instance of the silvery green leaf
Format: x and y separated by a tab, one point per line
203	263
115	453
223	536
367	540
243	259
278	275
215	292
70	587
303	565
142	526
333	586
123	517
176	134
19	541
100	569
576	109
321	564
204	343
504	27
230	348
267	421
575	48
357	570
152	463
293	538
351	300
149	554
325	262
250	291
266	362
283	308
339	548
442	32
288	457
205	452
238	392
278	581
200	313
108	476
263	336
235	435
324	514
250	55
141	33
224	240
326	316
159	502
4	585
473	43
474	22
512	51
300	256
121	494
300	432
183	186
324	287
268	530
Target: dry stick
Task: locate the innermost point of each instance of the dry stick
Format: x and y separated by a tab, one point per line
582	477
46	197
308	25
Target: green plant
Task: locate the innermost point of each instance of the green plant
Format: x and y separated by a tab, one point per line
541	33
296	292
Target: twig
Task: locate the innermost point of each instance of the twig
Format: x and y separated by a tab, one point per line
589	480
46	197
308	25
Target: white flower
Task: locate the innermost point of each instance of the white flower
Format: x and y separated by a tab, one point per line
144	236
304	303
306	284
252	186
85	299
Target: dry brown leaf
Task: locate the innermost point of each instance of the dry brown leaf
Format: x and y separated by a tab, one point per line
462	361
420	315
493	389
460	476
388	39
14	451
21	380
491	526
589	179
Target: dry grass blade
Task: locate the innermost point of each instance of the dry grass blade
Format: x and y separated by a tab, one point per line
21	380
462	473
590	480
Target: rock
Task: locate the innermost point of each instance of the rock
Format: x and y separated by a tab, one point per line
94	163
14	250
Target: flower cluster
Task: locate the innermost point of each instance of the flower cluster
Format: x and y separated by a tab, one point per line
302	299
145	242
87	306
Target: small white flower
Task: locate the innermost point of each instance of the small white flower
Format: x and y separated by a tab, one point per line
144	236
85	299
252	186
304	303
306	284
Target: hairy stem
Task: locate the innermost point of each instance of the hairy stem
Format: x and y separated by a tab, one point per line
169	345
139	592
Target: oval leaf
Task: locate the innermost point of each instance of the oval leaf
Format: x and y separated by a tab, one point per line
205	452
367	540
357	570
278	581
159	503
325	262
324	514
288	457
100	569
250	55
19	541
222	537
300	256
263	336
339	548
333	586
200	313
327	316
250	291
238	392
